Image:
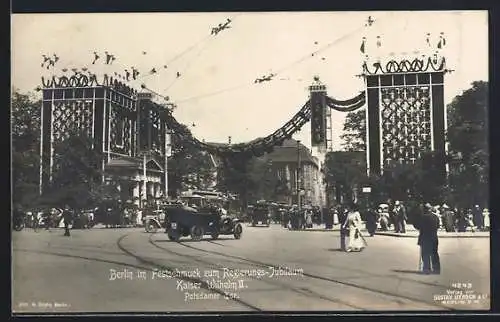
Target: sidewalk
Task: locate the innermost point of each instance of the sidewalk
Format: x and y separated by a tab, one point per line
411	232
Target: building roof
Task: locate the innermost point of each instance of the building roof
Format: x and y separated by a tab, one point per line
288	153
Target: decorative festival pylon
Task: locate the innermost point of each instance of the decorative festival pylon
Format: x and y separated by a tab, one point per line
319	151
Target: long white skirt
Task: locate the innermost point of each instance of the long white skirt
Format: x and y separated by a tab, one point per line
335	219
487	221
356	240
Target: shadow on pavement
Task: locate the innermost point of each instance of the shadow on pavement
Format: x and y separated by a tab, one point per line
216	243
407	271
187	240
336	250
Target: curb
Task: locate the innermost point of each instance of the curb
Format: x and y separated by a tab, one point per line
439	236
455	235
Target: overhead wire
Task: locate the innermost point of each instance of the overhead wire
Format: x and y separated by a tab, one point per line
203	48
183	71
179	55
279	71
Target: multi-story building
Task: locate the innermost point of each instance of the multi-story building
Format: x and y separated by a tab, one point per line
285	160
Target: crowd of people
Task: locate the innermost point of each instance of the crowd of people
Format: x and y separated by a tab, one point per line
425	218
397	216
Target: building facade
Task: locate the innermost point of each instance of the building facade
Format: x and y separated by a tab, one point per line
289	157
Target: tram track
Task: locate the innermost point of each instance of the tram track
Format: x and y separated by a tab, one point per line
202	283
302	291
442	287
327	279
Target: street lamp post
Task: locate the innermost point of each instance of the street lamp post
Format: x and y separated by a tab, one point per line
168	152
298	174
144	180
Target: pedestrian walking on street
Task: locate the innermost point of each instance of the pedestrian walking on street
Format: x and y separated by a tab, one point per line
344	228
477	217
462	220
356	241
399	217
427	225
335	216
371	220
448	218
486	219
68	216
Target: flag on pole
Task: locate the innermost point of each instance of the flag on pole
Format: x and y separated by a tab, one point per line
362	48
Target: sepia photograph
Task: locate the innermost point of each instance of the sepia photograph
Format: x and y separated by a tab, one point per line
250	162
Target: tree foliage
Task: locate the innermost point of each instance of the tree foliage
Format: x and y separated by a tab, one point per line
252	179
25	131
354	131
344	172
77	174
233	176
264	181
189	167
468	145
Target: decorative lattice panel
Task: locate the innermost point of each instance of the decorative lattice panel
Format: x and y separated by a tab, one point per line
120	132
405	123
69	116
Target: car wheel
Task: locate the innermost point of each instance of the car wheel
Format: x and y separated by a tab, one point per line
174	237
238	231
196	233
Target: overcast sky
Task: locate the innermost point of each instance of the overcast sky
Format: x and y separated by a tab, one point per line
255	45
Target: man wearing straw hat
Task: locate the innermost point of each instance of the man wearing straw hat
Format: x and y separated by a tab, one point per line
428	225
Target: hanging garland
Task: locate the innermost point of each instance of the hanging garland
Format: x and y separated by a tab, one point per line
255	148
348	102
332	103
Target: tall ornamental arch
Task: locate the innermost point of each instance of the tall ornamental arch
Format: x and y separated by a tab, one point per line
405	112
121	123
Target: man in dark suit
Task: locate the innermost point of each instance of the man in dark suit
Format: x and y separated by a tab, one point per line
68	217
477	217
428	225
399	217
371	220
344	228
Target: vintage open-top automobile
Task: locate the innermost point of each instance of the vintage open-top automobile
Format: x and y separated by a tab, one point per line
182	221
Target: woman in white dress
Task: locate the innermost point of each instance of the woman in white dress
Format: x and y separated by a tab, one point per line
356	240
486	219
308	218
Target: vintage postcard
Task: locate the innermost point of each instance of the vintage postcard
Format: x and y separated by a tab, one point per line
250	162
